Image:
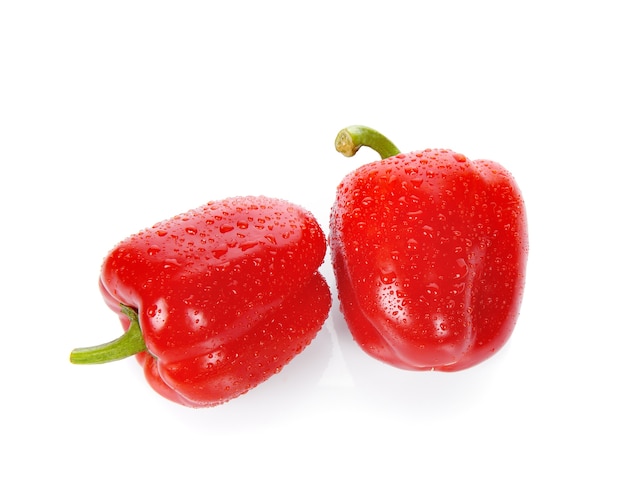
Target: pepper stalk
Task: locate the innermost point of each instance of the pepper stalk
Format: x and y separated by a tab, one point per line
349	140
128	344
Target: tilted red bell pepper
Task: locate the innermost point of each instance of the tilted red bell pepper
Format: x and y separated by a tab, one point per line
429	250
216	300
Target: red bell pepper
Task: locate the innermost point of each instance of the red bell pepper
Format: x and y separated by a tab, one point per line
429	250
216	300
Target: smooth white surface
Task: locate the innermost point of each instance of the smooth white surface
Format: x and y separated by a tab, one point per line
115	115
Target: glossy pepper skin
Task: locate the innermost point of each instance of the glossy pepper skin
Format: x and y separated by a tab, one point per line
223	296
429	250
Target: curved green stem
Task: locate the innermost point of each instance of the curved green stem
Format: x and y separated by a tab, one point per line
130	343
352	138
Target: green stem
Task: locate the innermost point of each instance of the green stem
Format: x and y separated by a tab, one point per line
352	138
130	343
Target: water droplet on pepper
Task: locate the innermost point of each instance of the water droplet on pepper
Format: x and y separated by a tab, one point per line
462	270
170	262
219	252
432	289
387	276
247	245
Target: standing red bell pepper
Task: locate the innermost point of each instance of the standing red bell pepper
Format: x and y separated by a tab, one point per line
429	250
216	300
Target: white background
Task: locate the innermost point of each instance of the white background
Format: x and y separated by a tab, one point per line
115	115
